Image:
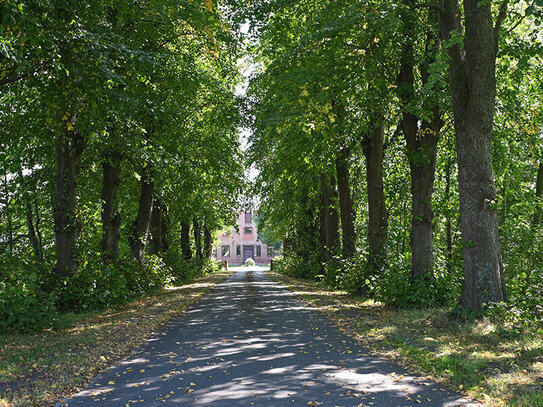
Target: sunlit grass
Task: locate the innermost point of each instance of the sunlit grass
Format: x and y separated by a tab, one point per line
483	359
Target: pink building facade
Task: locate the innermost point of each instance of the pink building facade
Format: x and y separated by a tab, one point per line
236	247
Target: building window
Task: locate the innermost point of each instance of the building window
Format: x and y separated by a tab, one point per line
258	251
225	251
248	231
238	250
248	217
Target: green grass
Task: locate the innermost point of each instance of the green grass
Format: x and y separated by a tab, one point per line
490	362
40	369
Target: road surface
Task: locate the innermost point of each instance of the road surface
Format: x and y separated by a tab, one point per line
251	342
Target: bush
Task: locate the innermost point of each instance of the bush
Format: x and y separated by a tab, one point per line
181	270
24	306
355	276
401	289
97	286
249	262
295	266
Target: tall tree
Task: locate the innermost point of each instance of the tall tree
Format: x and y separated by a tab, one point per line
472	41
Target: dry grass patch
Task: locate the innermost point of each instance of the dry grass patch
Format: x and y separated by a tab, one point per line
39	369
495	364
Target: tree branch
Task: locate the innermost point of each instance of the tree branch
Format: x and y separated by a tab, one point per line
499	21
431	5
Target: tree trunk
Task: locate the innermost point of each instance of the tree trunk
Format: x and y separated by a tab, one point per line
186	250
8	212
322	229
32	236
208	242
332	219
197	230
422	152
111	218
538	195
38	230
472	80
346	203
373	147
155	243
69	147
448	215
164	228
421	145
140	228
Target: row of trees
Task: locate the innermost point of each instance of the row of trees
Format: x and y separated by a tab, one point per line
119	131
365	110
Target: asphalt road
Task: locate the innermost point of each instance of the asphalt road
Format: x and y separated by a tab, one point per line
251	342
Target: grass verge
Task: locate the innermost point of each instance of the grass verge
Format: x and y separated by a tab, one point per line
495	364
40	369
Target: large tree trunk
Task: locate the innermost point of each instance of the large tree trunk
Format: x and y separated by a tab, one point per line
186	250
69	147
472	80
140	228
208	242
155	243
111	218
538	195
346	203
373	147
421	146
332	219
197	230
422	152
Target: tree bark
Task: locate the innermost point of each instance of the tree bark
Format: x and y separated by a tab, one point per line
140	228
322	229
164	228
155	243
332	219
345	203
32	235
208	242
373	147
111	218
472	81
69	147
538	195
8	212
197	230
186	250
448	216
421	145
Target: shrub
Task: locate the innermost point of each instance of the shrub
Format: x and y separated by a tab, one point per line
296	266
24	306
401	289
249	262
181	270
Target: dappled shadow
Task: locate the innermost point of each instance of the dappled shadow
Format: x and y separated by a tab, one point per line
252	342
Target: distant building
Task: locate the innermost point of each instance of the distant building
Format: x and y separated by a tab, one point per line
238	247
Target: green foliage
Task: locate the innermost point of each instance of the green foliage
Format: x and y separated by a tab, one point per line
296	266
24	305
249	262
180	271
98	286
399	288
